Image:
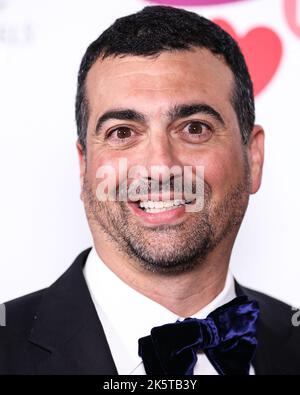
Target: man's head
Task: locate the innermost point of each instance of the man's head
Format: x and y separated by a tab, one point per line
166	87
155	30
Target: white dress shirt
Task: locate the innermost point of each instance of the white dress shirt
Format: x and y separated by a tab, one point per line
127	315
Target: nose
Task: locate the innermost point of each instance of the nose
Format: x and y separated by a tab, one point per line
160	157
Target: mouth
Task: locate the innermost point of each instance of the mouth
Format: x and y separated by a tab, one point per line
152	212
154	207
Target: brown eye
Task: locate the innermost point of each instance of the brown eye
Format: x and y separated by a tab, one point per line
121	136
123	133
195	128
196	132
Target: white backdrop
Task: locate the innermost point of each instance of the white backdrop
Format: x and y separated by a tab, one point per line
43	225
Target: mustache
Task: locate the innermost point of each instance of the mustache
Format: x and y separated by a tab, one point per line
145	187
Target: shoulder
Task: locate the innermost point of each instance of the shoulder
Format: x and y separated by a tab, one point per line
19	318
23	313
20	312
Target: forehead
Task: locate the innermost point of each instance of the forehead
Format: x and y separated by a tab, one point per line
171	76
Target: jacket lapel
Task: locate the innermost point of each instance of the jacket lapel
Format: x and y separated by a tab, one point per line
67	332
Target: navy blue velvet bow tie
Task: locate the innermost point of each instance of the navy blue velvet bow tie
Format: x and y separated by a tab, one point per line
227	337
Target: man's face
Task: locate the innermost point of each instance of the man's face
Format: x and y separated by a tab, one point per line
171	110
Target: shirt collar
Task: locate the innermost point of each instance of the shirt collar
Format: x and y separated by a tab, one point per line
127	315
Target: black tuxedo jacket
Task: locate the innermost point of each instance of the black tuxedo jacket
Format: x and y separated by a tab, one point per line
57	331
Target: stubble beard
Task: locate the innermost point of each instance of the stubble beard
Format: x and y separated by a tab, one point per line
169	249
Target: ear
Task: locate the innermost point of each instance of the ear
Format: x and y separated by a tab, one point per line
256	156
82	164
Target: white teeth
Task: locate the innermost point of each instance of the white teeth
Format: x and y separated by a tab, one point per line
155	206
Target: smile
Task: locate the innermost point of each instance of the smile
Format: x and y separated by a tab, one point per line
154	213
153	207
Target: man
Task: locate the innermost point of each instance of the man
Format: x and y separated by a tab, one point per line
161	89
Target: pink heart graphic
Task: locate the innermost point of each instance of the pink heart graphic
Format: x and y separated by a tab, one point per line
262	49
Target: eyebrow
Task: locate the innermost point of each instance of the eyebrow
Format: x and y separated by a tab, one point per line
177	112
186	110
121	114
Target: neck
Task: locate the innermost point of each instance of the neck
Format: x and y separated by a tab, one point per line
185	293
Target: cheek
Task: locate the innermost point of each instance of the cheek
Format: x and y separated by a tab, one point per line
100	166
222	169
120	160
114	164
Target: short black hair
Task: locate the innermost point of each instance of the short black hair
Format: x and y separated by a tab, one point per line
157	29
